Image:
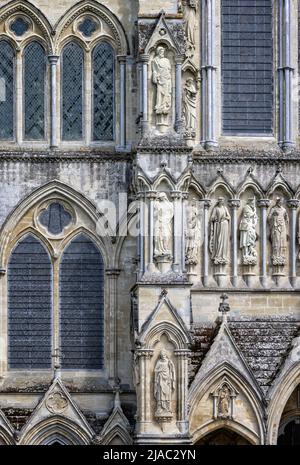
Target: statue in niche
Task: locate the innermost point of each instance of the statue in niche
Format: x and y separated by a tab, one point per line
278	220
190	16
223	403
192	234
219	233
248	234
162	78
164	383
163	215
190	106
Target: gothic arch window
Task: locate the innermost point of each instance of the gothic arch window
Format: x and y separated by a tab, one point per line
7	85
29	305
103	64
72	92
34	69
81	305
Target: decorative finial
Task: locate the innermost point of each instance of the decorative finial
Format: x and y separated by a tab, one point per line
163	293
224	307
117	389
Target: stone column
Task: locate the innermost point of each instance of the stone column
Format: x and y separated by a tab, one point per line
141	251
207	204
209	73
285	72
234	204
122	62
19	98
144	405
112	277
151	195
178	94
293	205
182	356
145	117
53	59
177	236
263	204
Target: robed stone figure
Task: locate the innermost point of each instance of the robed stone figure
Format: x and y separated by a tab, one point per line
190	105
248	234
219	233
163	215
164	383
162	78
278	220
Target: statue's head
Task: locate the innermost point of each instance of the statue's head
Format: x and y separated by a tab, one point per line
160	51
162	196
221	201
251	201
279	201
163	354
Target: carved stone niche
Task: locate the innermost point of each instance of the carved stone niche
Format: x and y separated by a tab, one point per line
223	400
190	103
193	235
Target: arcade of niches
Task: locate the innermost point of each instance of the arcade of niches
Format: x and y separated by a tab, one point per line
150	222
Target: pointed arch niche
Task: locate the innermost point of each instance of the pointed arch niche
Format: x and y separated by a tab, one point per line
54	286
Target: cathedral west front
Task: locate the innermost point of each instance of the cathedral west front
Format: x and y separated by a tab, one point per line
149	222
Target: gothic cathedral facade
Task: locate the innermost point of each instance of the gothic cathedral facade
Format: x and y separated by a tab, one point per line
150	222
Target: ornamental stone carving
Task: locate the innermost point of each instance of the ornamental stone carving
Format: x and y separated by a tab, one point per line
190	107
248	234
56	403
190	16
219	233
164	386
192	234
163	215
223	400
278	220
162	79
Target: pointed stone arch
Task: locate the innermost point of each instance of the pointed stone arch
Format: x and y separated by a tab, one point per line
6	431
120	40
35	14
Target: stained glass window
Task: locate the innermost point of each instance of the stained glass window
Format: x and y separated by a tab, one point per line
87	27
81	305
7	57
103	92
19	26
34	91
29	305
72	92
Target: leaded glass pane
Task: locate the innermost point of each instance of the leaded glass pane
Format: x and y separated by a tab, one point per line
88	27
55	218
29	305
81	305
103	92
72	92
19	26
6	91
34	91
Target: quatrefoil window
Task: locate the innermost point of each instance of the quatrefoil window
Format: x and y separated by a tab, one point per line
55	218
87	27
19	26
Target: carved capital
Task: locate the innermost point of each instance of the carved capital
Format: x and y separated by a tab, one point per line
144	58
151	195
121	58
53	59
183	353
112	272
293	204
206	203
234	203
263	203
146	353
176	195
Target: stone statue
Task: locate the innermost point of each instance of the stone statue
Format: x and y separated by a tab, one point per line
248	234
190	16
162	78
164	383
224	402
163	215
192	234
219	233
278	220
189	106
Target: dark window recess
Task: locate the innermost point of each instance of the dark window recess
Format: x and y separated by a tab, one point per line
72	92
103	92
29	305
247	67
81	305
55	218
34	91
87	27
19	26
7	58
